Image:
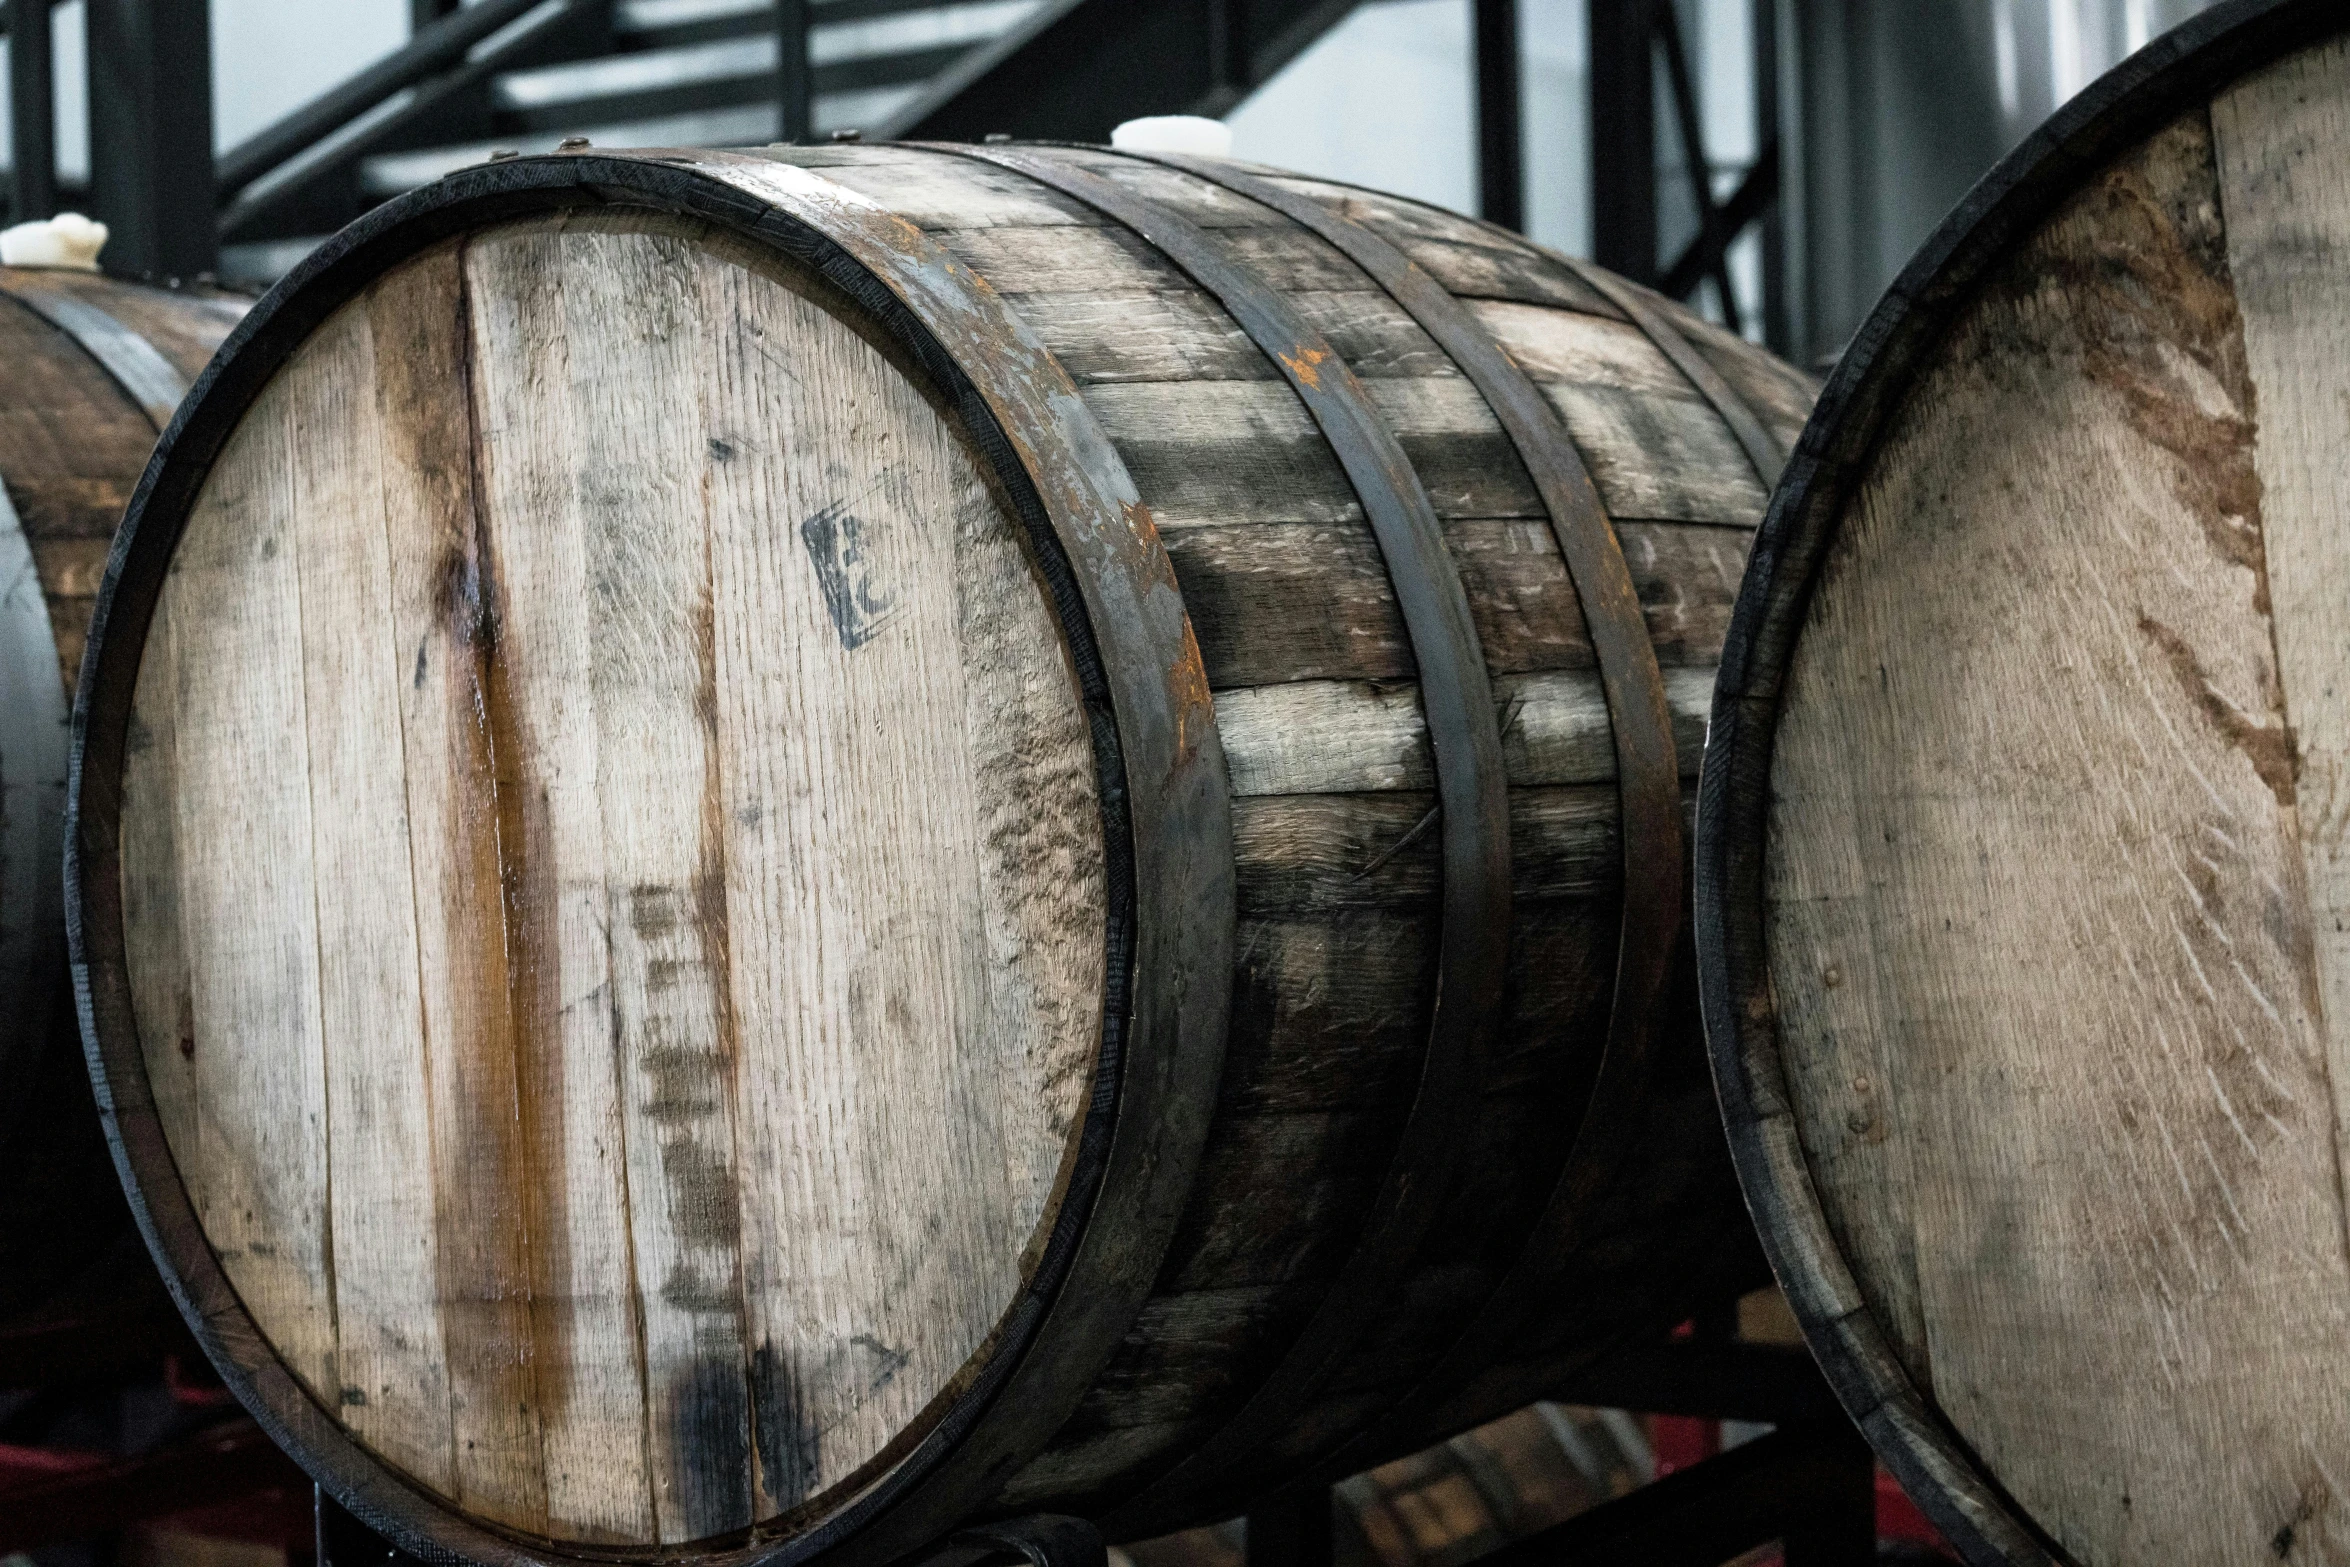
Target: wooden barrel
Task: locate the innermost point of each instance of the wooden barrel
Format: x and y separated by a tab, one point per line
2021	859
94	369
777	847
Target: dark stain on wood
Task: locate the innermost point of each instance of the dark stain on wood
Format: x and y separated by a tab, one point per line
701	1194
837	548
2154	301
716	939
2268	747
490	1189
529	898
684	1082
710	1419
787	1440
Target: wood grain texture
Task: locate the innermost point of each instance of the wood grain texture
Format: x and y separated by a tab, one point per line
2041	873
678	953
756	869
2284	188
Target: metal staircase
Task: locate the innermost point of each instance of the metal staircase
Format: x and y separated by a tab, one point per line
527	74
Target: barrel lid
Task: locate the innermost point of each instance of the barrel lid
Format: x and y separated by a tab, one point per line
2019	844
609	878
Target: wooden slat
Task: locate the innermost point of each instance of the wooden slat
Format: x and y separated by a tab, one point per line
651	668
241	797
1351	737
941	193
1318	853
378	1143
1276	602
2038	913
1780	394
913	877
2279	142
1019	261
1466	256
440	623
1245	451
1173	334
156	947
539	708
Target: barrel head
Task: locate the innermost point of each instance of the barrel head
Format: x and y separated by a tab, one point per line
2026	883
613	882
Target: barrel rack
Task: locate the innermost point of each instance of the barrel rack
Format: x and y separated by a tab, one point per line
1809	1484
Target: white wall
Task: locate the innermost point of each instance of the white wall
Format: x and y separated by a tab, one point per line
1383	99
269	57
1388	98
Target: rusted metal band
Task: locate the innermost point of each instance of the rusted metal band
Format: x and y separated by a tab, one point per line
145	376
1472	793
1648	776
1763	449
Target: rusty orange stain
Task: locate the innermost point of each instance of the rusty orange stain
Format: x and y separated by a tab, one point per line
1187	683
1145	528
1304	366
1139	518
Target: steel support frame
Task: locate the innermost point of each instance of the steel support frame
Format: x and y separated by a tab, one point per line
151	181
1501	156
1632	43
1112	60
1810	1484
32	112
795	78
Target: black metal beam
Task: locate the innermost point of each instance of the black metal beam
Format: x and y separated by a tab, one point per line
1081	66
1623	137
1706	255
724	92
1501	158
1777	322
1813	1487
150	73
795	81
1698	167
423	13
32	112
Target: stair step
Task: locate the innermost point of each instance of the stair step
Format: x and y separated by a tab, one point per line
882	51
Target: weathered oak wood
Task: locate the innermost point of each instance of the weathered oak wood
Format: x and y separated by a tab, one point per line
729	810
2020	840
